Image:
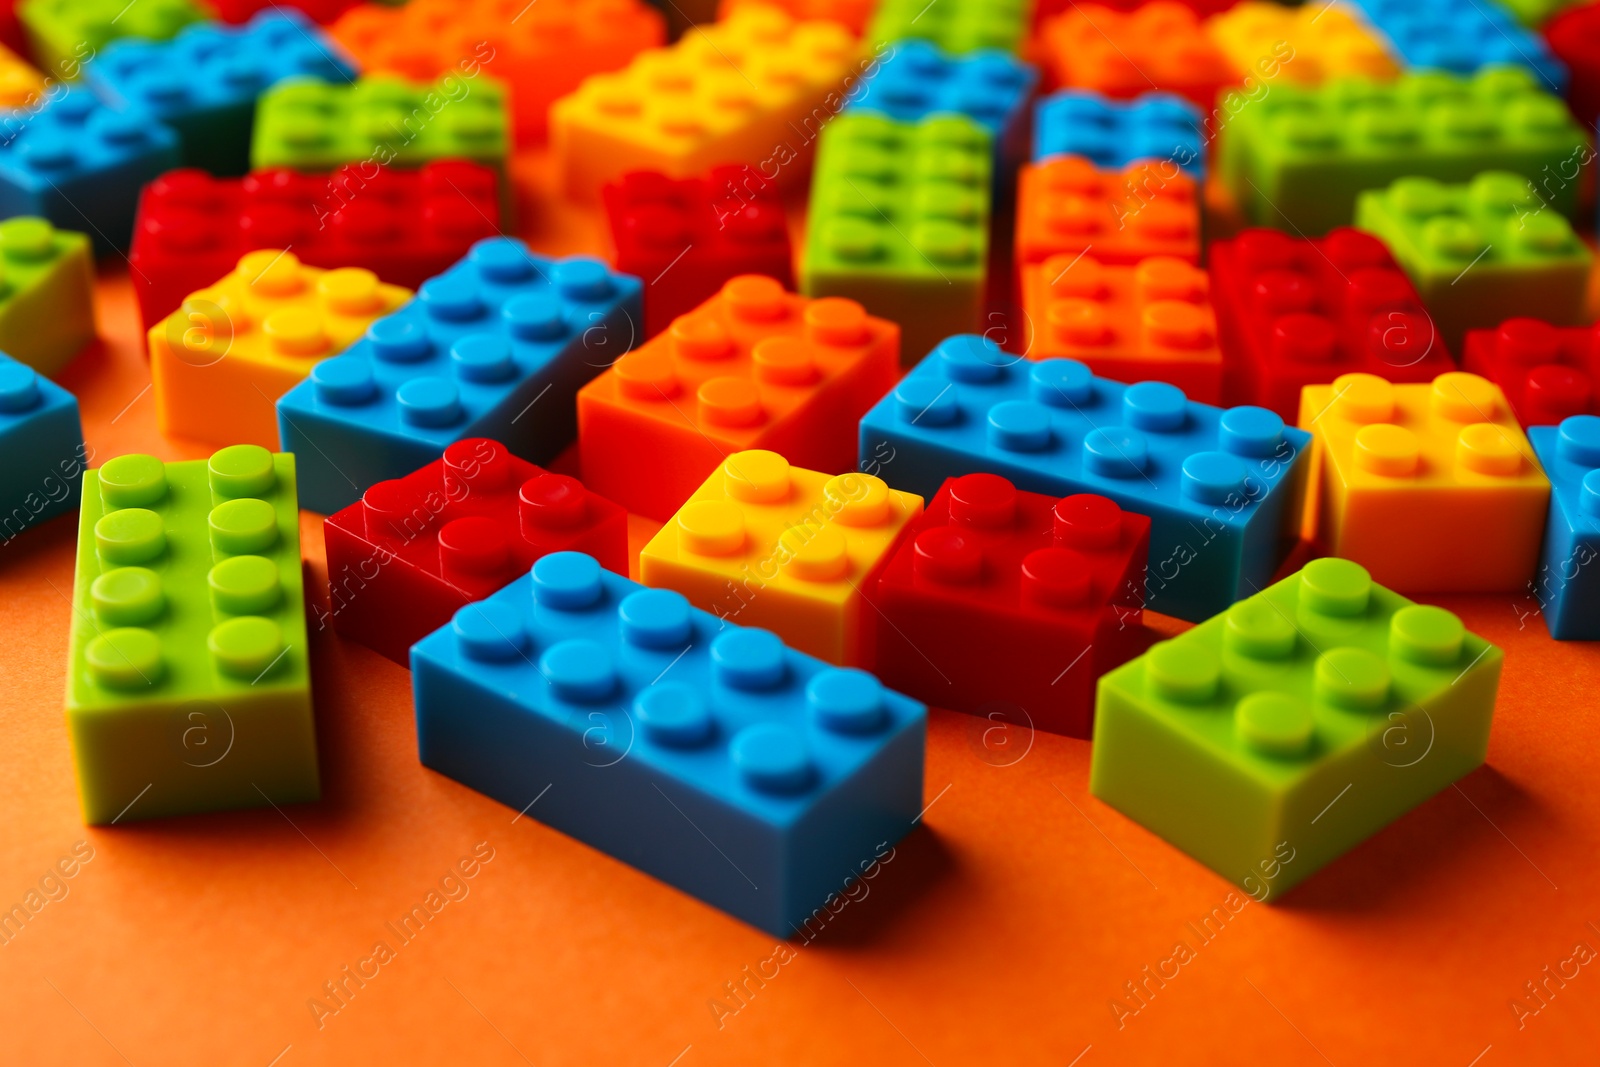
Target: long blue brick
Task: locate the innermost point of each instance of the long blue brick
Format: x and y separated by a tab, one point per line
42	454
204	82
711	756
1463	36
1222	488
497	346
1114	133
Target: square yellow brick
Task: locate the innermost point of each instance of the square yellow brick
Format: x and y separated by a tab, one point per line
1432	487
754	88
1306	45
220	362
797	552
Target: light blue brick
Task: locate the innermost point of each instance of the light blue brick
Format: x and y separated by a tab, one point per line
80	163
497	346
1114	133
1223	488
204	82
42	455
1463	36
1567	584
711	756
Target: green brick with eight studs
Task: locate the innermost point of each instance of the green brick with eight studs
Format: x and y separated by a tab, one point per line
899	221
1481	253
65	34
956	26
1271	739
189	685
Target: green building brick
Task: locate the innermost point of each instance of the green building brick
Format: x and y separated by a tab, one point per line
1536	12
1481	253
383	120
189	685
1297	157
957	26
46	293
65	34
1274	737
900	222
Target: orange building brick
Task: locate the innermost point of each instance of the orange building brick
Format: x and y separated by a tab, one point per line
765	543
1149	322
1432	487
541	51
753	367
1067	205
853	15
1122	54
756	88
219	363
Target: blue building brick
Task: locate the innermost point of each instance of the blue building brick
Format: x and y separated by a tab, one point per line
41	441
1567	585
204	82
1463	36
990	87
497	346
1223	488
708	755
80	163
1114	133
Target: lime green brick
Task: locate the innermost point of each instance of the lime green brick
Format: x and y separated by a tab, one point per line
1297	157
1482	252
899	221
189	685
1536	12
314	125
65	34
1271	739
957	26
46	293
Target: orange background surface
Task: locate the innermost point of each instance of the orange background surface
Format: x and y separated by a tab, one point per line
1002	930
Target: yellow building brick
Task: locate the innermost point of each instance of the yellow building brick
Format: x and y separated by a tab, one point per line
1307	45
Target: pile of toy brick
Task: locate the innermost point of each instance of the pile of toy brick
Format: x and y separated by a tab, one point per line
1263	318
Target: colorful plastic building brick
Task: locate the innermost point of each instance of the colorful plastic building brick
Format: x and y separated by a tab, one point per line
991	87
1432	488
204	82
853	15
1067	205
1297	158
21	86
1011	603
1269	741
540	51
412	552
1223	488
687	237
1044	9
1534	13
1160	46
1567	584
496	346
80	163
956	26
220	362
899	221
381	120
1464	36
1574	37
1548	373
403	225
323	11
1115	133
753	89
1297	312
1481	253
752	368
64	34
189	682
1150	322
46	293
794	551
742	772
1304	45
42	441
11	35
